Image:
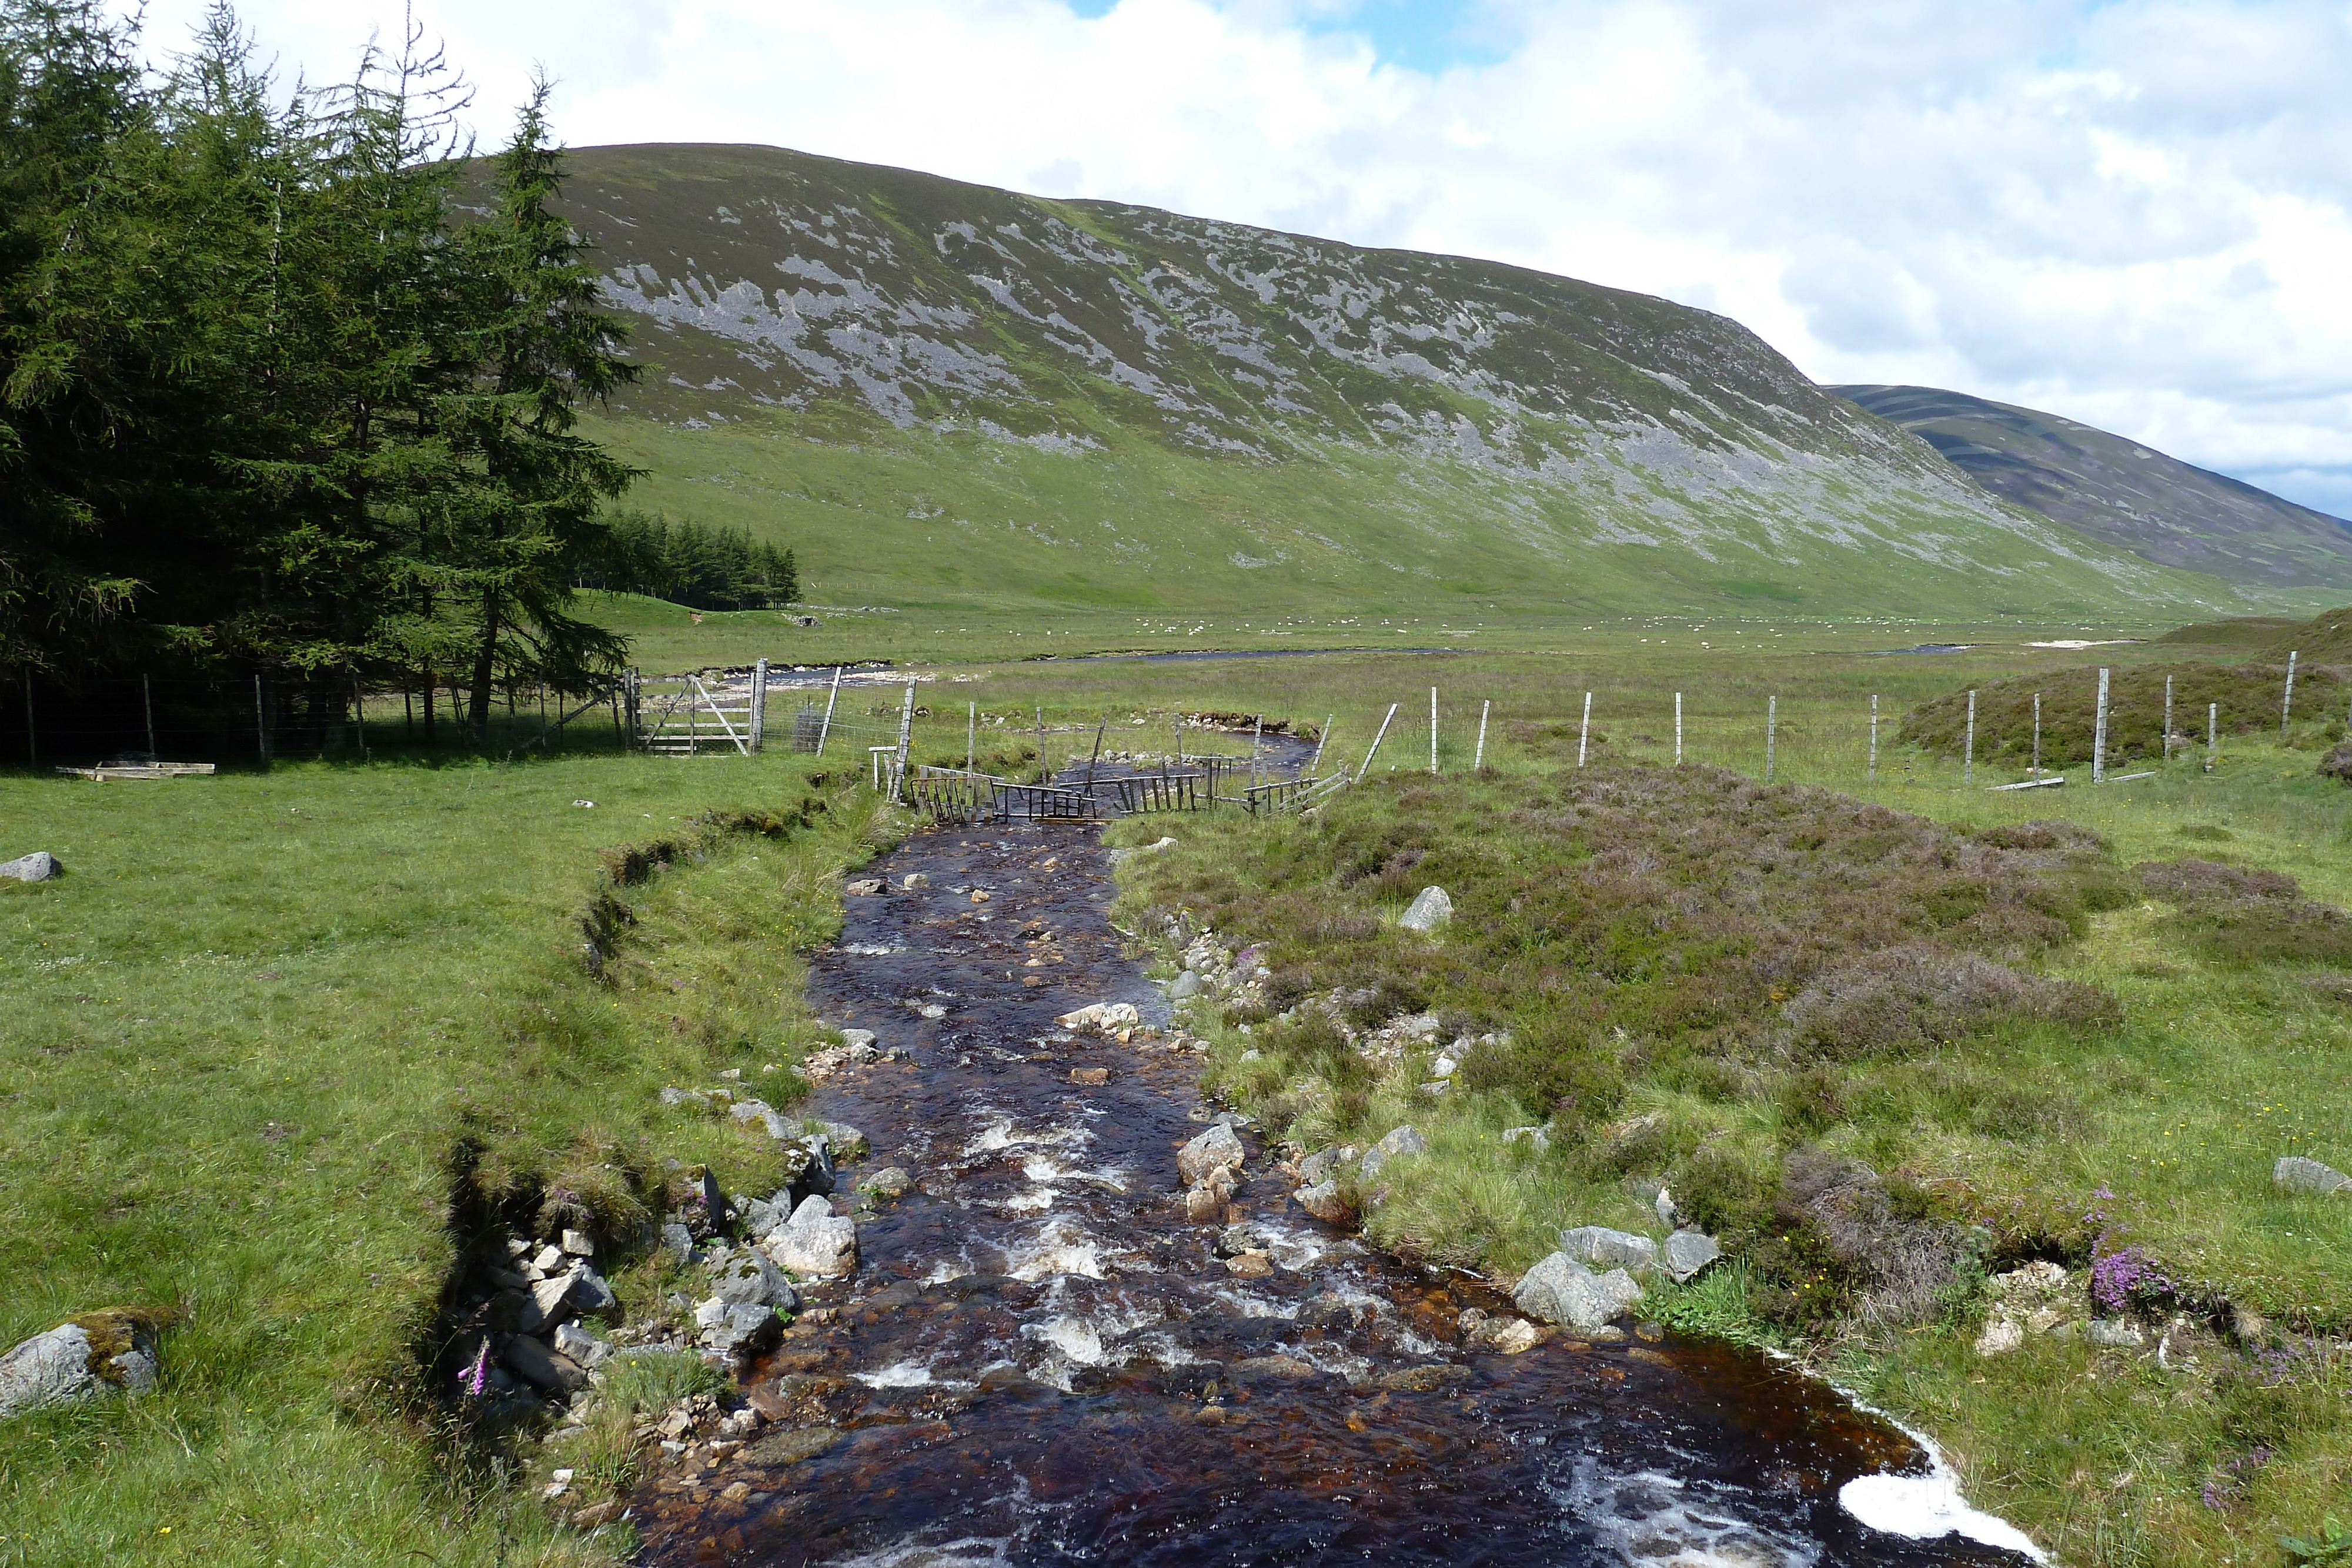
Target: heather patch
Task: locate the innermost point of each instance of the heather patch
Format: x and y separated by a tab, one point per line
2247	697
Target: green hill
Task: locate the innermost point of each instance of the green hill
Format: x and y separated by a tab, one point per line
946	396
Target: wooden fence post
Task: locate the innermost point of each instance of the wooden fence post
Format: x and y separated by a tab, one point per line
1678	729
2037	735
147	700
2099	735
759	706
2212	736
1433	729
825	730
1375	750
1874	737
1771	732
1322	738
1258	732
2286	703
1968	747
1584	730
906	734
2167	718
1479	760
1044	769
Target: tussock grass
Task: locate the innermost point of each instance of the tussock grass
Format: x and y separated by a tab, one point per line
264	1036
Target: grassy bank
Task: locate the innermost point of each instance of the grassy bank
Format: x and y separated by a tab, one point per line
249	1034
1682	961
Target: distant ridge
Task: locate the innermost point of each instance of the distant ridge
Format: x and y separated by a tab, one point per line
952	395
2117	490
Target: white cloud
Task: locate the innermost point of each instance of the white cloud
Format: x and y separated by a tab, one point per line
2134	212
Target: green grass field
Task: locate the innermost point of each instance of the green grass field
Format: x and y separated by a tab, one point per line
249	1033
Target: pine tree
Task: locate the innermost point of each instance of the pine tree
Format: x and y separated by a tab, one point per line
527	515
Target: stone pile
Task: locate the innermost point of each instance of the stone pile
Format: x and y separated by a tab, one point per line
1594	1278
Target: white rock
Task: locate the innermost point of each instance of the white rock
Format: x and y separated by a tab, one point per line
1102	1017
815	1243
2001	1334
1428	912
1186	985
38	866
579	1244
48	1369
853	1037
1536	1138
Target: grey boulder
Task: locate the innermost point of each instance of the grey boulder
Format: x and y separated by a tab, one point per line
1404	1140
815	1243
1214	1149
1317	1168
2296	1173
1559	1289
68	1365
1605	1248
2115	1333
1687	1252
746	1278
583	1347
1187	985
542	1368
38	866
778	1126
1431	910
844	1142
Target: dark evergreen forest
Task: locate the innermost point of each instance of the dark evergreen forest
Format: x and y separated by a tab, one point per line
289	380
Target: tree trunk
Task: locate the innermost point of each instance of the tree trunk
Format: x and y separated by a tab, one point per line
478	700
428	708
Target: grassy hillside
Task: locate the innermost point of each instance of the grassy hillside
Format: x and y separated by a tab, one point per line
951	397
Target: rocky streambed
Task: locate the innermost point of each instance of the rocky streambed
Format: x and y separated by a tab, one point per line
1051	1349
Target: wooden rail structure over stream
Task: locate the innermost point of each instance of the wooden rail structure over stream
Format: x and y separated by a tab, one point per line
960	796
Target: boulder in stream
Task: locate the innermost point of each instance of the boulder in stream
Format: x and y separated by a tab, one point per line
1559	1289
1323	1200
1214	1150
815	1243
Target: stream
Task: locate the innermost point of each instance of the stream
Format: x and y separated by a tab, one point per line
1040	1360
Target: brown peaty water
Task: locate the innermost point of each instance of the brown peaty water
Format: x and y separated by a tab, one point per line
1041	1360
